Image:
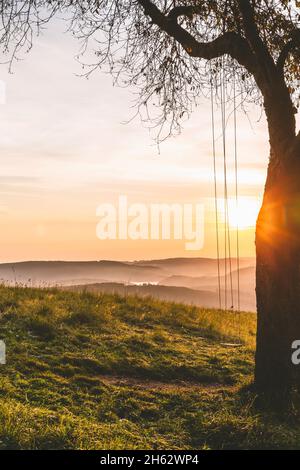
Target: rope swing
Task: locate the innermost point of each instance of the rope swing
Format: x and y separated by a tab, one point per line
236	204
215	191
228	268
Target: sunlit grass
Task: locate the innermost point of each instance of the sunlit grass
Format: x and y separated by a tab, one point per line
91	371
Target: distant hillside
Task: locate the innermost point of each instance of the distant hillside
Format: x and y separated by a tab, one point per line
91	371
202	298
246	279
197	274
39	273
194	266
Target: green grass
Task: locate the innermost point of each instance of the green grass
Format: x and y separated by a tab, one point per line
106	372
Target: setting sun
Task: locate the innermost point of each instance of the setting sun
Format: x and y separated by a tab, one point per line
241	214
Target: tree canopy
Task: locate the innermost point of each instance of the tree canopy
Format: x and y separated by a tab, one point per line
171	51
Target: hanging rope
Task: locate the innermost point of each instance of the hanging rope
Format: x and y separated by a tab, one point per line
237	205
227	235
227	241
224	190
215	187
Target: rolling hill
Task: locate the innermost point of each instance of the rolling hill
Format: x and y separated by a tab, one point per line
195	278
103	371
202	298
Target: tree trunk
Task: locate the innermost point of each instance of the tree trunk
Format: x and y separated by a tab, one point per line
278	275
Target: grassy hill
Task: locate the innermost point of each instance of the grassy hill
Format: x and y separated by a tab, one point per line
91	371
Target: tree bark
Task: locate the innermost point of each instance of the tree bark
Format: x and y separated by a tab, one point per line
278	272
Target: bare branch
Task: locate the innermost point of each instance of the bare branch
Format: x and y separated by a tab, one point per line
184	10
170	52
289	47
229	43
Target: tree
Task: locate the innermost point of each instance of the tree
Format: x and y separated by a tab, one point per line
171	51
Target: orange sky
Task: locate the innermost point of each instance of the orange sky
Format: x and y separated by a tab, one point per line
65	150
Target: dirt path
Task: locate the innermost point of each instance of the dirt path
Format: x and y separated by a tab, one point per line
162	386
